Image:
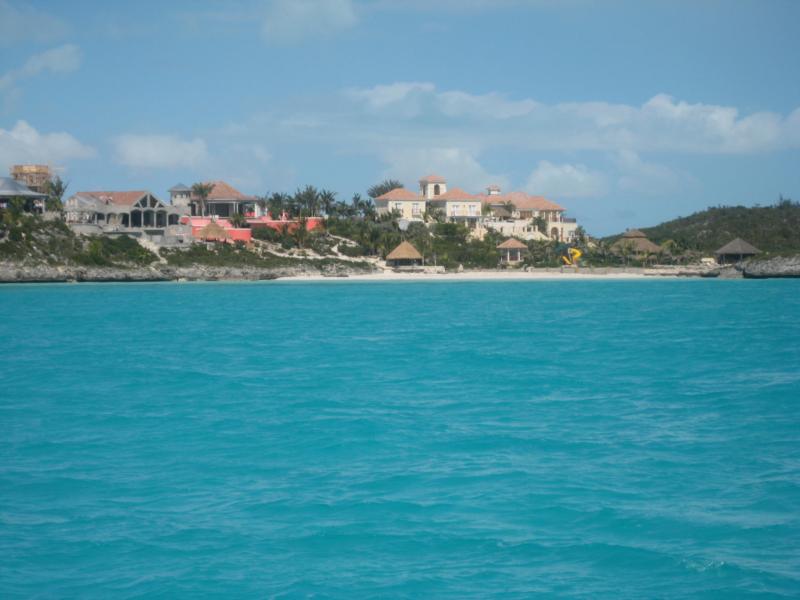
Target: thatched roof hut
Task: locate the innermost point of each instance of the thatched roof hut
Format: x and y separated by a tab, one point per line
637	242
735	251
213	232
405	255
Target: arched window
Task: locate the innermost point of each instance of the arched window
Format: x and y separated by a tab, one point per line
436	190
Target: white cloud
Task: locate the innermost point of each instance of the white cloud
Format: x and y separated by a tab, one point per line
63	59
382	98
645	177
566	181
660	124
24	144
25	24
488	106
412	99
415	128
461	167
288	21
159	151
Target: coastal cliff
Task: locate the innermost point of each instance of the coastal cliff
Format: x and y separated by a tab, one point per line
779	266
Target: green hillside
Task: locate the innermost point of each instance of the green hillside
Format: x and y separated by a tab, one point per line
773	229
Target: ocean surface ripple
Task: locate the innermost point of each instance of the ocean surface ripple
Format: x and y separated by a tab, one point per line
619	439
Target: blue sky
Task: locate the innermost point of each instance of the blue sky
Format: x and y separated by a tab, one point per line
627	113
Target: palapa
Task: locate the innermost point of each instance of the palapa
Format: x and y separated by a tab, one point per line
213	232
637	242
737	247
405	251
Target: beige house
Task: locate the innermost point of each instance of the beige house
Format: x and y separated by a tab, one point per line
458	206
511	214
407	204
524	209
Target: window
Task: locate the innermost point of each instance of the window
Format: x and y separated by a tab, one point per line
436	190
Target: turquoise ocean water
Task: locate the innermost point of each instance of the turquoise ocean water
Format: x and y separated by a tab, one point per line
593	439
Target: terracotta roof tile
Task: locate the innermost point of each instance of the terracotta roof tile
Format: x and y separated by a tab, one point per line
399	194
521	201
455	194
512	244
224	191
433	178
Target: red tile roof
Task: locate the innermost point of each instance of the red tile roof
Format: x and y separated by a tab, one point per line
511	243
223	191
399	194
433	178
522	201
455	194
121	198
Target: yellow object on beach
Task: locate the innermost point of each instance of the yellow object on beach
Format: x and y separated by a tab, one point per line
573	254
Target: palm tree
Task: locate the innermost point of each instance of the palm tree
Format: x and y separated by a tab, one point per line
327	200
238	220
379	189
277	203
201	191
673	249
55	189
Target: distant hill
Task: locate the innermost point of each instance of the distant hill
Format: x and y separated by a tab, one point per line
774	229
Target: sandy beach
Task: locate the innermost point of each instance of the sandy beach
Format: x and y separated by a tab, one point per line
495	275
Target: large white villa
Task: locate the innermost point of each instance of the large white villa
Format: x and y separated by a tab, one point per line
512	214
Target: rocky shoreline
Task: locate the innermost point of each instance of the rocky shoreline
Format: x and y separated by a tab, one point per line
779	267
22	273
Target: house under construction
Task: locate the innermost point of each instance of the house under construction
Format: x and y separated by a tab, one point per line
36	177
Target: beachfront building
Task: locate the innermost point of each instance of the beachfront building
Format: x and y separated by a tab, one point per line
735	251
512	214
137	213
526	216
635	242
402	202
10	188
223	200
512	251
404	257
128	210
458	206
